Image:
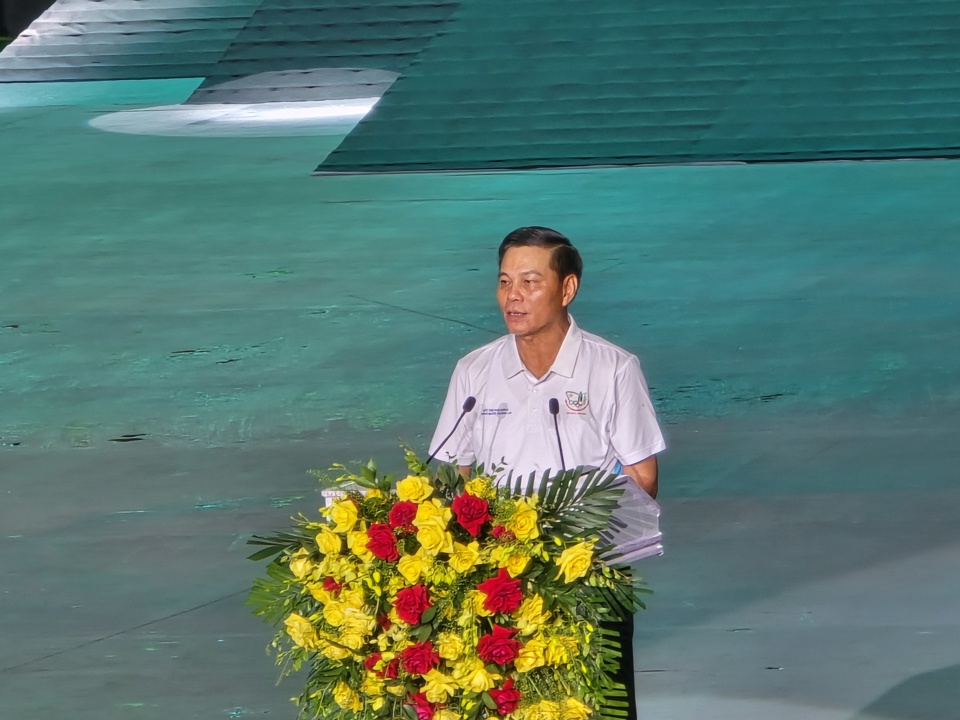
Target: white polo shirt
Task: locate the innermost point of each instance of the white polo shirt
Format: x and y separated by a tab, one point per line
605	415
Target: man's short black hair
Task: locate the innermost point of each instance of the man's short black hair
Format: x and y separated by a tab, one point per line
564	260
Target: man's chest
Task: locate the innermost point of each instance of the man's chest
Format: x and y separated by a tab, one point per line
515	424
521	403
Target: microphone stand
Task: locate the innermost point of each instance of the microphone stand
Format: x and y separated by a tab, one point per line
468	405
555	411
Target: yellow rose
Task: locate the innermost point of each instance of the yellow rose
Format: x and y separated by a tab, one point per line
555	653
357	542
333	613
353	598
396	689
411	567
438	687
301	631
480	487
449	646
446	714
531	656
344	513
329	542
524	521
474	677
575	561
300	564
373	493
433	511
573	709
346	698
530	616
415	488
334	652
354	641
319	594
357	621
543	710
515	564
372	685
464	557
434	538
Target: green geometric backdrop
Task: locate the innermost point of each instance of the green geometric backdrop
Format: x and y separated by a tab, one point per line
548	83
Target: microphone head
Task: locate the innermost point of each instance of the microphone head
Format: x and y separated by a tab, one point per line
554	406
469	403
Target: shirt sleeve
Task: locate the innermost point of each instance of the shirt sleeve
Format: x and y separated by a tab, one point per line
459	448
634	431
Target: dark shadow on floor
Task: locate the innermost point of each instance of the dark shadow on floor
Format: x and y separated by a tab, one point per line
932	695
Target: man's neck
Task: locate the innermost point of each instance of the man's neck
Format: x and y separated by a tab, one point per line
540	350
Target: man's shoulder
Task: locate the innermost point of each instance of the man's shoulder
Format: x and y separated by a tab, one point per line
479	360
601	350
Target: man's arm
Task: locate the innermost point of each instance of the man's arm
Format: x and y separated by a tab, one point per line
635	433
645	473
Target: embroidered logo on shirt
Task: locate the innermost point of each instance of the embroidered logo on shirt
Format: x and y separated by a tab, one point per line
577	401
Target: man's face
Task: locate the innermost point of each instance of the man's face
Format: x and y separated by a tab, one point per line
531	295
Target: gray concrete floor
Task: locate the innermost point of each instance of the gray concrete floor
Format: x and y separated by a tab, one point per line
799	325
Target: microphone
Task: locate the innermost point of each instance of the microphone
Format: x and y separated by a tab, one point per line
555	410
468	405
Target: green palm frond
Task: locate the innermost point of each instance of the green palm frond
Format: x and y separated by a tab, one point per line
576	503
279	542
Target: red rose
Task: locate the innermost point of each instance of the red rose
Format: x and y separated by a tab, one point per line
402	514
383	543
371	660
423	707
499	646
420	658
502	593
471	512
411	603
501	533
331	585
506	698
392	670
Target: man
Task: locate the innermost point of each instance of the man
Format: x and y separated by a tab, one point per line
606	419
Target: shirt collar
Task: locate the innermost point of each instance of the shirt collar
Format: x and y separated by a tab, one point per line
565	362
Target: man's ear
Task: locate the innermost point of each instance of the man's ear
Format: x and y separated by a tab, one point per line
570	287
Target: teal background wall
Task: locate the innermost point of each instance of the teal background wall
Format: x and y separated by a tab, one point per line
548	83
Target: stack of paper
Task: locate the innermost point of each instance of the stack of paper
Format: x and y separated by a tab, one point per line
635	527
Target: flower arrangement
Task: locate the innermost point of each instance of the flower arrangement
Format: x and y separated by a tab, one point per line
451	598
